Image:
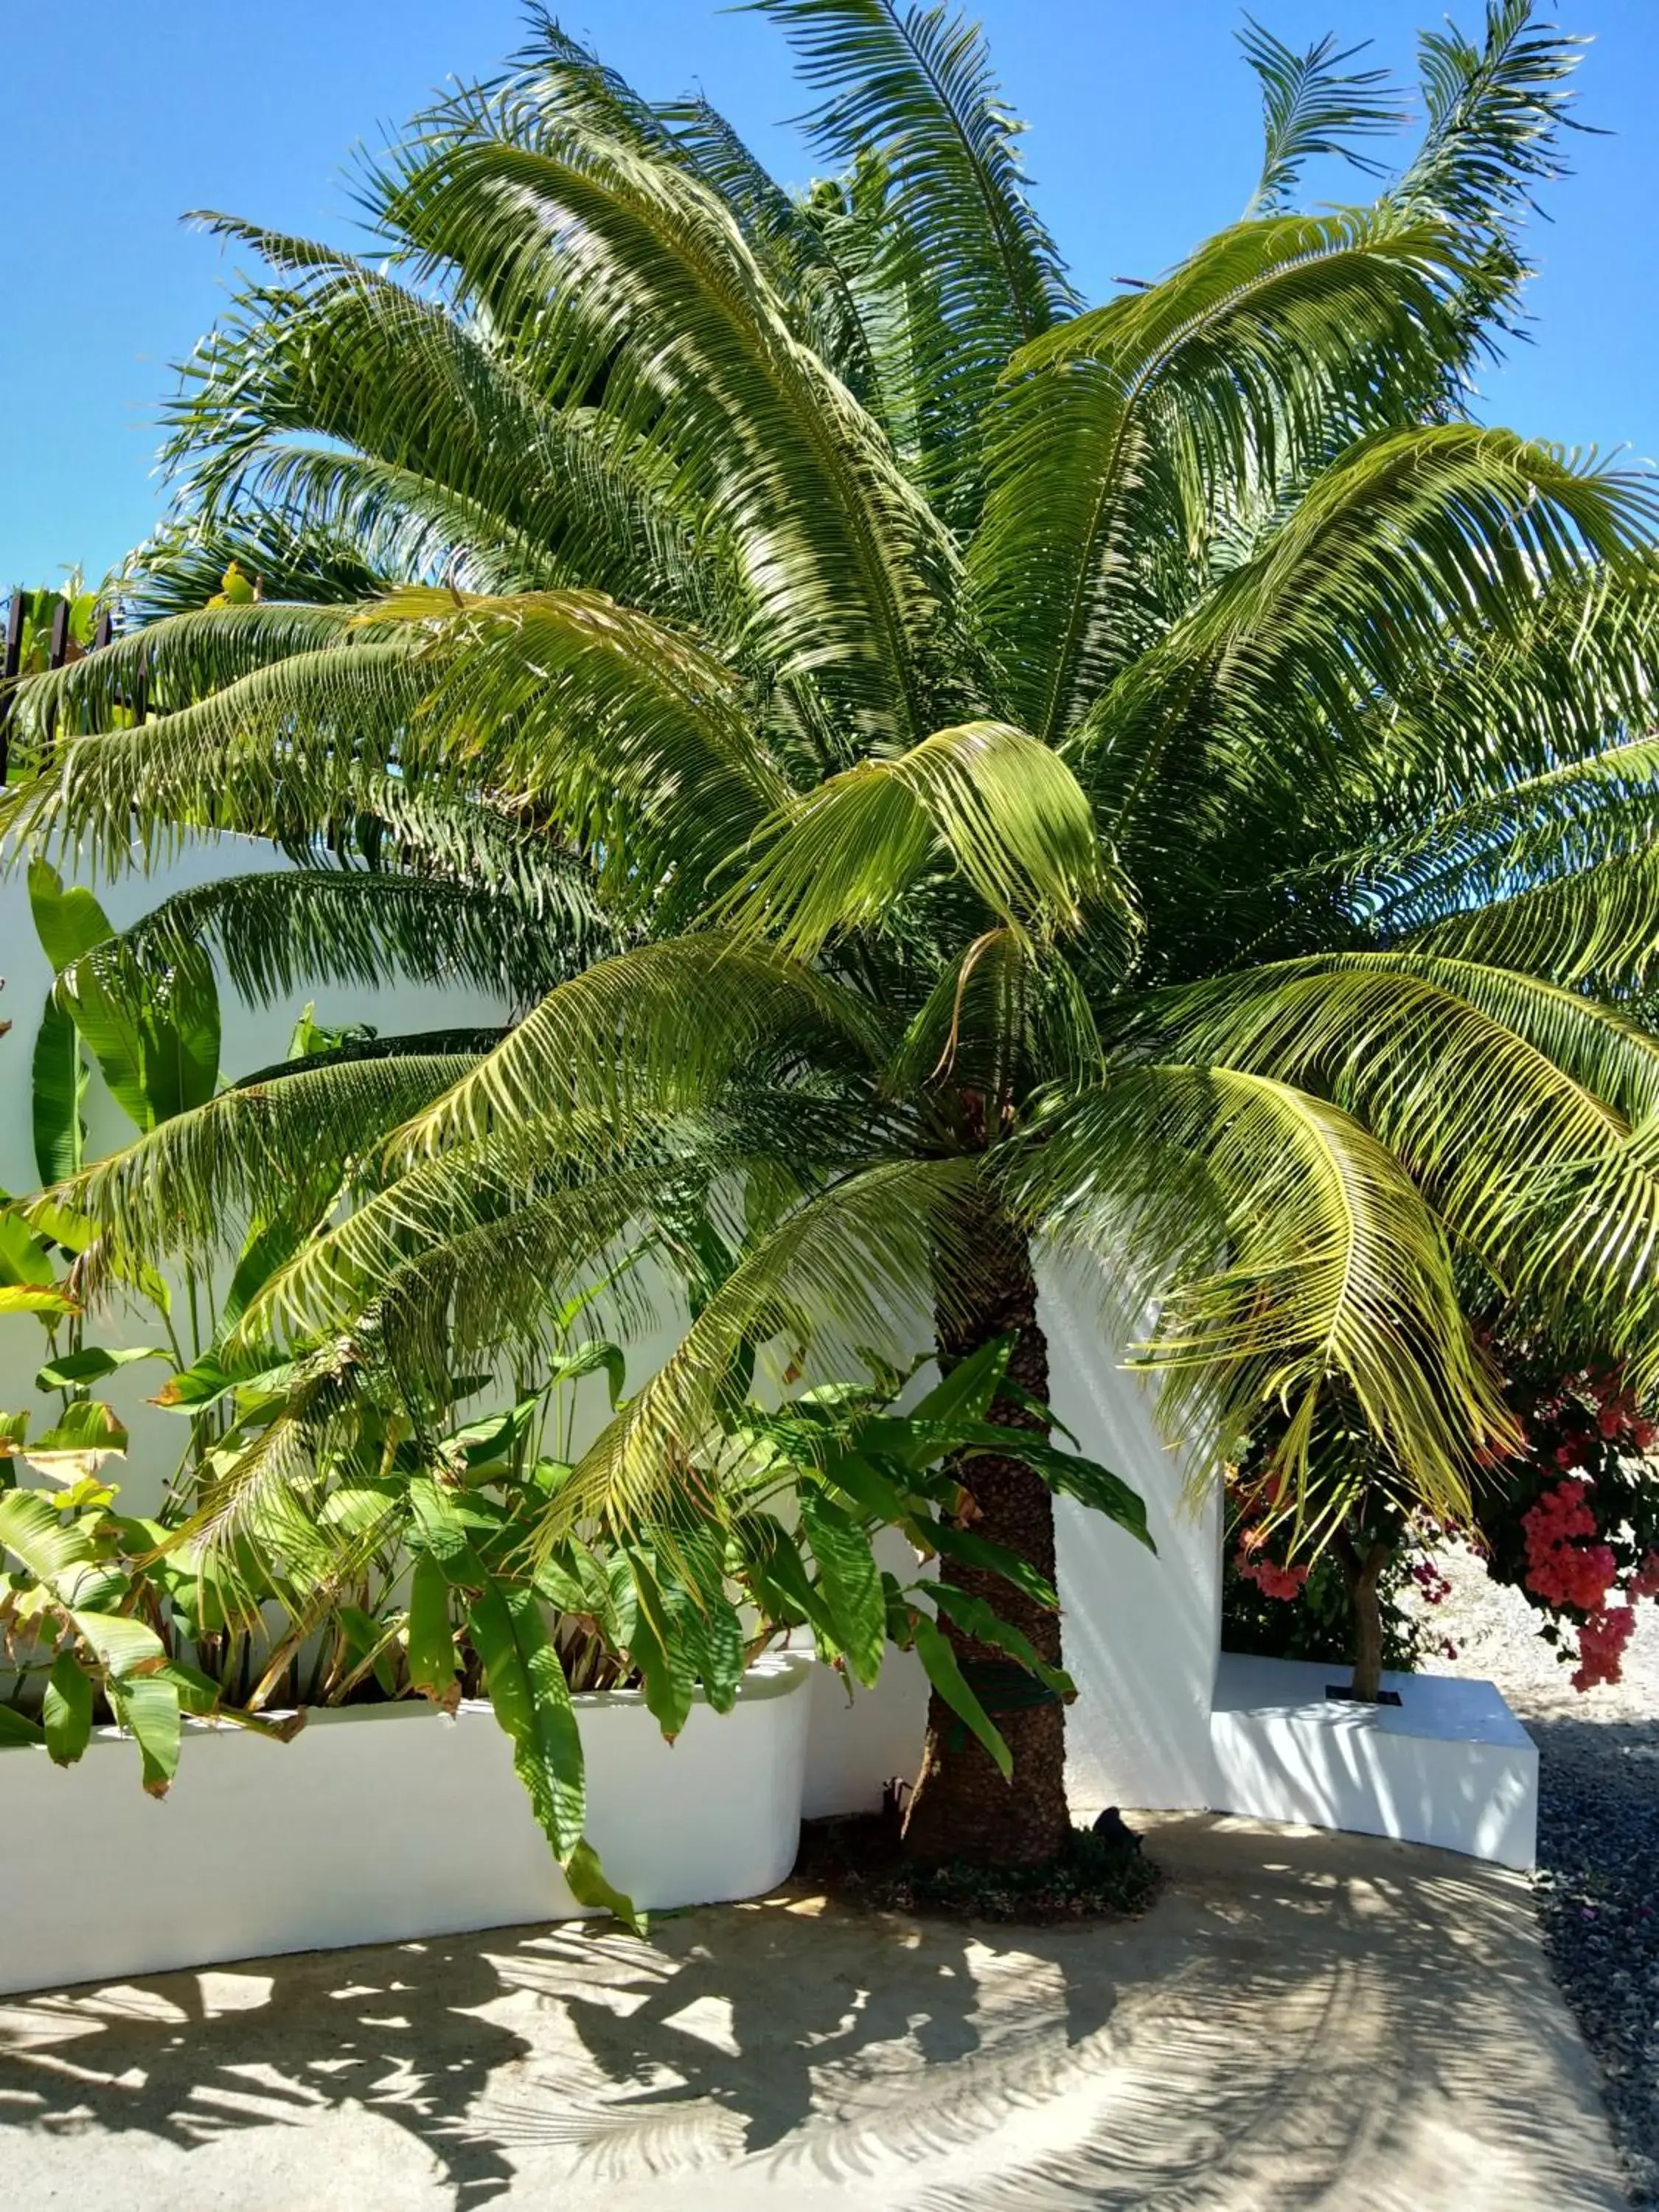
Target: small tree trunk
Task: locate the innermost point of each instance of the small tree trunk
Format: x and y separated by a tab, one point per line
961	1807
1362	1576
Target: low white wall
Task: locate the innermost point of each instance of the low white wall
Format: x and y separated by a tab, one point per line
1449	1765
1141	1632
381	1823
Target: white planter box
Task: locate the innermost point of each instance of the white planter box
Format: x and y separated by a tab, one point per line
1449	1764
380	1823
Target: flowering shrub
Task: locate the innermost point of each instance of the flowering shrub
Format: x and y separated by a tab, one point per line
1576	1526
1573	1524
1304	1609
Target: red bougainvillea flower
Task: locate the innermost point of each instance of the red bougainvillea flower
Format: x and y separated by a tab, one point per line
1601	1641
1272	1580
1562	1568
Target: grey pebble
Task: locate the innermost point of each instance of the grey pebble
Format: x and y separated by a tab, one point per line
1596	1886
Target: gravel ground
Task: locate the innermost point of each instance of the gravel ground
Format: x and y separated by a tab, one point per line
1597	1883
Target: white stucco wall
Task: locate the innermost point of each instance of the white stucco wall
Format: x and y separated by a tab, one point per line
1141	1632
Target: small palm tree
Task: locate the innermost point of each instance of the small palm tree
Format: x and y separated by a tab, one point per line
933	764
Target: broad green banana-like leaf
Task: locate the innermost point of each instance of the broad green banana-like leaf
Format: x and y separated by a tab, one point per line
666	1672
57	1092
124	1646
1069	1473
850	1581
67	1711
24	1261
532	1702
985	1625
36	1298
70	1370
85	1435
431	1642
945	1672
147	1706
61	1554
154	1035
527	1691
18	1730
68	923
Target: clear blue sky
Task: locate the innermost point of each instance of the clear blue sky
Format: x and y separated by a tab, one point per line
117	117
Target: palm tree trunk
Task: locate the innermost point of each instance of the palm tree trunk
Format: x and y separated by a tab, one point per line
961	1807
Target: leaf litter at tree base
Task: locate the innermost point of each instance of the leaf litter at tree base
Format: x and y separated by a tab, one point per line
857	1860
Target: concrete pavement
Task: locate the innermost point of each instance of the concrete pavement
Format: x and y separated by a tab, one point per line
1302	2021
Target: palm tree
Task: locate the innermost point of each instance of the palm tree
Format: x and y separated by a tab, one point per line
933	764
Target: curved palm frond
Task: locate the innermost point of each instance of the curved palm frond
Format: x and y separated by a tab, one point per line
1311	107
282	1146
849	573
661	1027
440	451
1118	425
1528	1166
1286	1247
1416	538
276	932
789	243
1005	809
978	271
849	1272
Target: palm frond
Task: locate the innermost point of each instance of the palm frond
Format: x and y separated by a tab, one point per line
1286	1248
283	930
301	740
1593	804
282	1147
180	567
1415	539
1535	1171
791	245
849	572
1006	1017
438	447
913	90
1312	107
594	711
1121	423
663	1027
472	1255
1495	113
565	696
852	1271
1003	810
1598	925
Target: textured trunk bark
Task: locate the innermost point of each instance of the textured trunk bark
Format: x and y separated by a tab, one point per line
961	1807
1362	1577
